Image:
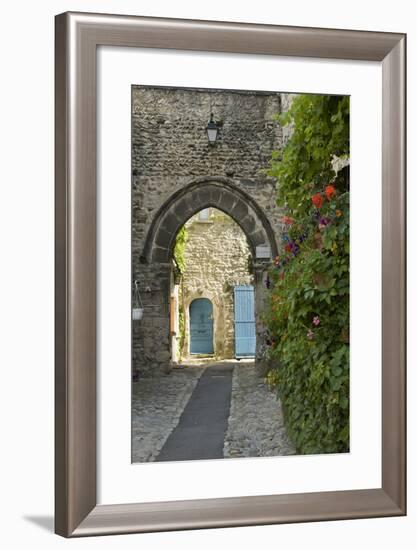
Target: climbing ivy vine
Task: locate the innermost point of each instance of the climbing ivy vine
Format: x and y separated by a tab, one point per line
179	260
179	248
308	300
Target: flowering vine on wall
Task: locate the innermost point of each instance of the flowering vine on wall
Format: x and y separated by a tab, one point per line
308	311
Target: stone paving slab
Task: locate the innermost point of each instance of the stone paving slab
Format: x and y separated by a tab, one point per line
256	424
199	435
157	404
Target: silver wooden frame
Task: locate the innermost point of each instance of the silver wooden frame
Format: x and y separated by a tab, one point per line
77	37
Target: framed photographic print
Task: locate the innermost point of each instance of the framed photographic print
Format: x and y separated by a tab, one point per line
230	274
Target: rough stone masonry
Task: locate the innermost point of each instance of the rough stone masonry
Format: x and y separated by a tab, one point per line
176	173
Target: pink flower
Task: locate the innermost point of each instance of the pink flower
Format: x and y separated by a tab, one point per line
310	334
287	220
316	320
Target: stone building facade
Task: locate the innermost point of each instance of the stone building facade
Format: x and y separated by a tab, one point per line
176	173
217	257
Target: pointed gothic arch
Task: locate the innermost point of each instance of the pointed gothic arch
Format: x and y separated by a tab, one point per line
205	192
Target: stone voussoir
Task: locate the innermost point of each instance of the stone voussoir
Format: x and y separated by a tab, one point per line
248	224
163	238
259	237
204	196
239	210
183	209
228	201
216	195
160	254
170	223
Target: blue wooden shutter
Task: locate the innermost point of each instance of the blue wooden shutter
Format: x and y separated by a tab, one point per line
245	334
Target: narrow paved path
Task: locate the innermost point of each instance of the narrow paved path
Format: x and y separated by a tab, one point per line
157	405
202	426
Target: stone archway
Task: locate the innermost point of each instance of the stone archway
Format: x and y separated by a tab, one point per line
153	337
202	193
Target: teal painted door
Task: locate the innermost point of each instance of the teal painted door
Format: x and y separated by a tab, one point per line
245	335
201	326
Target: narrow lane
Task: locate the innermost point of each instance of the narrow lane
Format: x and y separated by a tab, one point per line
202	426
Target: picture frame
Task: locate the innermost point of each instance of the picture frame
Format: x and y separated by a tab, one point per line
77	37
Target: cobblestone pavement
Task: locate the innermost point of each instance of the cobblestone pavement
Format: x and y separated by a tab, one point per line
256	425
157	404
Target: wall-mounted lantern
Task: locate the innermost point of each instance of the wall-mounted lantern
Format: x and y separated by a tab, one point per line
212	130
137	310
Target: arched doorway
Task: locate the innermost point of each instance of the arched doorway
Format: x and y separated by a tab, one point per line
154	265
201	327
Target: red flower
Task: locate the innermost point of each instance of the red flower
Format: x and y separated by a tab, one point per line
330	192
288	247
287	220
317	200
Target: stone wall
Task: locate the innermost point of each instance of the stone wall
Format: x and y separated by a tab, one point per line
217	258
170	154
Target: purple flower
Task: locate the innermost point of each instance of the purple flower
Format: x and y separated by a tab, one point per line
316	320
323	222
292	247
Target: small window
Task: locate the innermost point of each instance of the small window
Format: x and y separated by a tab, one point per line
204	215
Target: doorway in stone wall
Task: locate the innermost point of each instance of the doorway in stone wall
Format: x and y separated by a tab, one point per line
212	258
201	327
